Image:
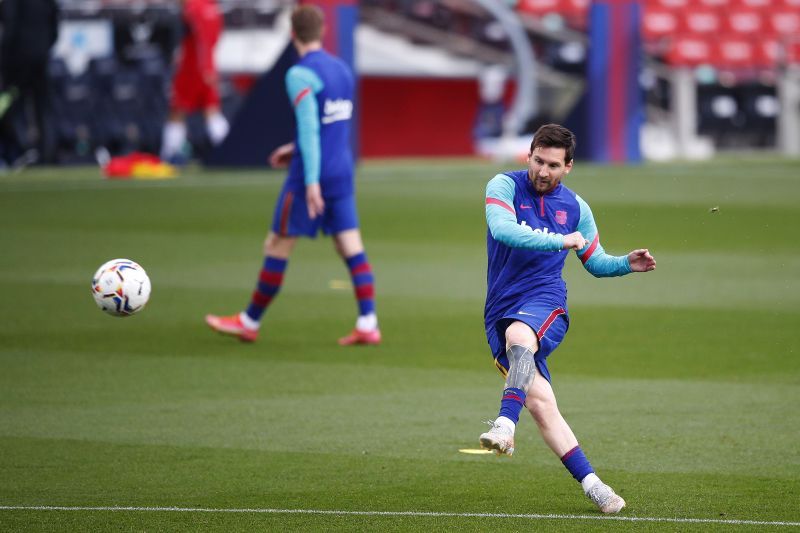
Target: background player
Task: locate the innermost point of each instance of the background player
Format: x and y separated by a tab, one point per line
194	86
319	191
533	221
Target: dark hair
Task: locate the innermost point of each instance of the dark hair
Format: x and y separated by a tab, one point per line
555	136
307	23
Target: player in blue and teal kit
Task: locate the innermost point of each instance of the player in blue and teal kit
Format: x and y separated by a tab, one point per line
533	222
319	191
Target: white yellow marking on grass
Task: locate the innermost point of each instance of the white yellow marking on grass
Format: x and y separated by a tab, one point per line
421	514
475	451
339	285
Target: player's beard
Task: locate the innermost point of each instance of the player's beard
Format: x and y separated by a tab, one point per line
545	185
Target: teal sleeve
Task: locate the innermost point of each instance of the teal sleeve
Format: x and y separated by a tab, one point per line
302	84
502	220
595	260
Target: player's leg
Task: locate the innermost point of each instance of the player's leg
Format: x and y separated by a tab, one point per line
341	220
351	249
541	402
174	136
217	125
521	344
290	221
245	325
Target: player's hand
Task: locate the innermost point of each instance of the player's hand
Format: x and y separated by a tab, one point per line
280	157
575	241
314	201
641	260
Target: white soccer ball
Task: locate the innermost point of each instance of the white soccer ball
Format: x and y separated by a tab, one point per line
121	287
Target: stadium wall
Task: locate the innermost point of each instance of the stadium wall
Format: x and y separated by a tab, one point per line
404	117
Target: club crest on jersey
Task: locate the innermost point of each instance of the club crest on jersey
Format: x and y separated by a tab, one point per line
561	217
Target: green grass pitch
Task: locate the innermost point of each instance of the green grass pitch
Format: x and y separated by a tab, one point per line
682	385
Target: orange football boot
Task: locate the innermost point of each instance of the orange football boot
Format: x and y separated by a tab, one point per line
358	336
232	325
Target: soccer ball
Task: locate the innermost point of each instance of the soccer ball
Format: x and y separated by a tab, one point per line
121	287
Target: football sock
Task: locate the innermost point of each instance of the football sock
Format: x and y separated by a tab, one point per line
367	322
588	481
217	127
511	404
174	137
363	283
269	283
576	462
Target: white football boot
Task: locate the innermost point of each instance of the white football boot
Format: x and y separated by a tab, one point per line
499	439
604	497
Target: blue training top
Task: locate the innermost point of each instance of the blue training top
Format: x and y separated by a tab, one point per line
321	88
525	242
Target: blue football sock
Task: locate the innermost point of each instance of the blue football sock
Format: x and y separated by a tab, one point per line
512	403
576	462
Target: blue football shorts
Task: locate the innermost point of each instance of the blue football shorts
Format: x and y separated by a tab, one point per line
291	215
550	324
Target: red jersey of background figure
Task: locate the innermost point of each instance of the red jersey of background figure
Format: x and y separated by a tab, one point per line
195	84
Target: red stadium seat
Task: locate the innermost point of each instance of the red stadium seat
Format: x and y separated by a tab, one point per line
717	4
734	52
538	7
743	21
669	4
689	51
767	53
658	22
701	20
757	4
783	21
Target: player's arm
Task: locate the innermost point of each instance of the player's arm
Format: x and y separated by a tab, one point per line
502	220
302	84
594	258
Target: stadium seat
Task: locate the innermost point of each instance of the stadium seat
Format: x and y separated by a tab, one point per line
734	52
719	113
659	22
757	4
701	21
744	21
760	109
715	4
689	51
767	53
538	7
670	4
783	21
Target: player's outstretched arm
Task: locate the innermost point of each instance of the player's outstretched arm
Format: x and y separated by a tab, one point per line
641	260
594	258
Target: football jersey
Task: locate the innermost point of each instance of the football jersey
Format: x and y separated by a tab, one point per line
525	241
321	88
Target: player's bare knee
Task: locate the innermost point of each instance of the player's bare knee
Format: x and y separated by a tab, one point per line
521	334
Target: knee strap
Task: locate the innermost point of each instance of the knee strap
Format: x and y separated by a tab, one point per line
521	367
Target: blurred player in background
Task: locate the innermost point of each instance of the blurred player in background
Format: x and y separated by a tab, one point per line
533	221
194	86
30	29
319	191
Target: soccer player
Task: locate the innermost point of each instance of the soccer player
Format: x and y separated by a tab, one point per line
534	220
319	191
194	86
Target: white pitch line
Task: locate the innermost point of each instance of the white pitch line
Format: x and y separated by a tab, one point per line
404	513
